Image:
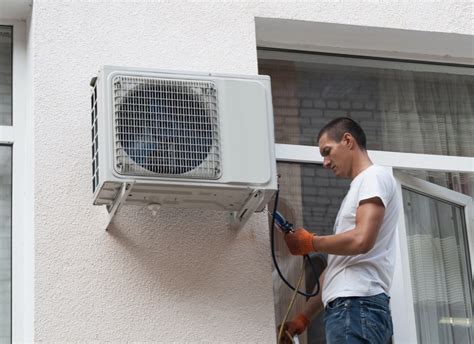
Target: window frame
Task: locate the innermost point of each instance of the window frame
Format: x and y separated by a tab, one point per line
19	136
364	61
412	161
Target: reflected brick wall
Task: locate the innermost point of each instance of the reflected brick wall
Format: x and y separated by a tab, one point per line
305	99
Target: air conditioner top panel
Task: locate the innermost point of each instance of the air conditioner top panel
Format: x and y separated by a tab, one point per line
181	74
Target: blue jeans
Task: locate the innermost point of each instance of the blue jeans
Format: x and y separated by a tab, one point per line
354	320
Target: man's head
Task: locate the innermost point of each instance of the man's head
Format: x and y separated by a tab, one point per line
341	141
336	129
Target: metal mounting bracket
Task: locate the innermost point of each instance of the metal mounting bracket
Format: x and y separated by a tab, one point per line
119	200
240	217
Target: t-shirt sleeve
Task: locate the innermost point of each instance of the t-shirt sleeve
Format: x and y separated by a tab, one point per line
376	184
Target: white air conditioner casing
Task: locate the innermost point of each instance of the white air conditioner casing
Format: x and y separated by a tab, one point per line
182	139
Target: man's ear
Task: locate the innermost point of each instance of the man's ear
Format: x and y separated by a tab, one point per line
348	140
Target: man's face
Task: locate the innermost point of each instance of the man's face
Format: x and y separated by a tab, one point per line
336	155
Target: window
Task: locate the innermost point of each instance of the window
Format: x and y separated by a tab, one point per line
438	255
5	75
5	185
423	111
403	107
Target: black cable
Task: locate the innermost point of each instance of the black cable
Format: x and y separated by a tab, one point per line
306	257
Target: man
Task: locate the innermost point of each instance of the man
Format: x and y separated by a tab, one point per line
362	250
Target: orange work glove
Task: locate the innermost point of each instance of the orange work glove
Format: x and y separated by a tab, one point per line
296	326
299	242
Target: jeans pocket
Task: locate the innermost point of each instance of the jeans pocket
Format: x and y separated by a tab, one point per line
335	304
376	322
335	311
336	320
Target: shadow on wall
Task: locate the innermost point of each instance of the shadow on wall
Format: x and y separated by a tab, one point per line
181	251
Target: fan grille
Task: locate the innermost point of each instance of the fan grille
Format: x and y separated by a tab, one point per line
166	127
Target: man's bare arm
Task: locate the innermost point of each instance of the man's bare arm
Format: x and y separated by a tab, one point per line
361	239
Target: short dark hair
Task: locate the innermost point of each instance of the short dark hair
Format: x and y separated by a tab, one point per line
339	126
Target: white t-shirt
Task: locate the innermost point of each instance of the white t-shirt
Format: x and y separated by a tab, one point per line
371	273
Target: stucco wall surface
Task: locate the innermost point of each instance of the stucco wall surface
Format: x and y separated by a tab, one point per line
181	276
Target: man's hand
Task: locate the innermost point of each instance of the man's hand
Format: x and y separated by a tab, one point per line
299	242
296	326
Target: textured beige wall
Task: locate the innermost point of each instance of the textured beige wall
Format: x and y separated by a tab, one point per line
181	276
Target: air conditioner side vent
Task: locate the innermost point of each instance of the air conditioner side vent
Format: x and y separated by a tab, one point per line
95	139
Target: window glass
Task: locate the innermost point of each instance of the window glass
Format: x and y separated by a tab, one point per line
440	269
400	110
5	75
309	196
438	255
5	242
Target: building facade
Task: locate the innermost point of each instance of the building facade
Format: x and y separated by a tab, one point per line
181	275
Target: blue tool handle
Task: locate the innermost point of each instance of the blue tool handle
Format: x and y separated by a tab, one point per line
282	223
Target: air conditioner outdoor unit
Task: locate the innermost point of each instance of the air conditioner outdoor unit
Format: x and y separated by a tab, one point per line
164	138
